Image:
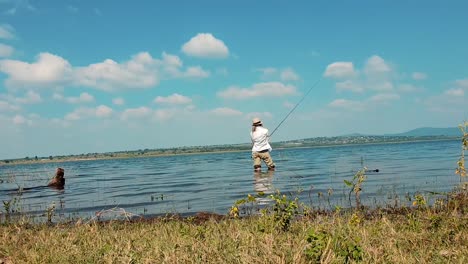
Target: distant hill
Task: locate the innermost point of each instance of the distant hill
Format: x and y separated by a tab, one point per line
430	131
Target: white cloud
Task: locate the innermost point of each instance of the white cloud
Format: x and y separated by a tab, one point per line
110	75
462	83
134	113
268	73
205	45
49	69
174	99
375	65
19	120
380	85
196	72
118	101
271	73
6	32
267	89
5	50
419	76
446	103
384	97
288	105
172	60
83	98
6	106
164	114
340	70
408	88
350	85
30	98
289	75
140	72
261	115
101	111
347	105
455	92
225	111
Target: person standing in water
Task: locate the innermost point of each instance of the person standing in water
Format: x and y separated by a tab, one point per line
260	146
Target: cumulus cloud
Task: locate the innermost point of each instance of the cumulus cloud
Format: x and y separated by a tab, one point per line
83	98
110	75
380	85
135	113
289	75
225	111
285	75
455	92
48	70
340	70
5	50
6	106
378	76
19	120
350	85
462	83
375	65
140	72
6	32
174	99
164	114
408	88
384	97
288	105
118	101
261	115
196	72
267	89
205	45
30	98
347	105
419	76
101	111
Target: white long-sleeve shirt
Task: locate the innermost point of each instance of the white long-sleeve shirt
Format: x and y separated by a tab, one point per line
260	139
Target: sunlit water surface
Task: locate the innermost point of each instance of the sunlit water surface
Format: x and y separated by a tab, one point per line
188	184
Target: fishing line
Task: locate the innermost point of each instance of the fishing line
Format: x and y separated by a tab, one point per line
294	108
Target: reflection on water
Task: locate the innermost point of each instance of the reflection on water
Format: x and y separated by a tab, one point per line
191	183
263	186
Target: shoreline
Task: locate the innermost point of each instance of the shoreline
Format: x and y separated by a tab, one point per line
14	162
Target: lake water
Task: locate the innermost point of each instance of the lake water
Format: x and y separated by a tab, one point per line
188	184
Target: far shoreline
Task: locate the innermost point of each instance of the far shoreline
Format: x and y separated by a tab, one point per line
14	162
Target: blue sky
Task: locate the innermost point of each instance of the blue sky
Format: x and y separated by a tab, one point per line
97	76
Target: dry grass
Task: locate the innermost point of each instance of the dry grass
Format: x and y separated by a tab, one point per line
420	236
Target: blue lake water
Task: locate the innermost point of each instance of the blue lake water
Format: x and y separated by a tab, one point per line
187	184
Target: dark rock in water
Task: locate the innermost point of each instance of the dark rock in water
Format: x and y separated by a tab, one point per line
59	180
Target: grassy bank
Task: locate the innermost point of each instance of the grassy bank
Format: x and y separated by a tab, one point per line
420	234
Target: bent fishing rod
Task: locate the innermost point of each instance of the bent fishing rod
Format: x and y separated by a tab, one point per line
294	108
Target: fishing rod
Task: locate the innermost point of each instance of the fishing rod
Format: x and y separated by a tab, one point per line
294	108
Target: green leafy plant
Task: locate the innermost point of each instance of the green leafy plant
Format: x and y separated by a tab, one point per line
350	249
356	185
461	169
318	241
284	209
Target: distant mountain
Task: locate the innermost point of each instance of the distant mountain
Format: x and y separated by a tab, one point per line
430	131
